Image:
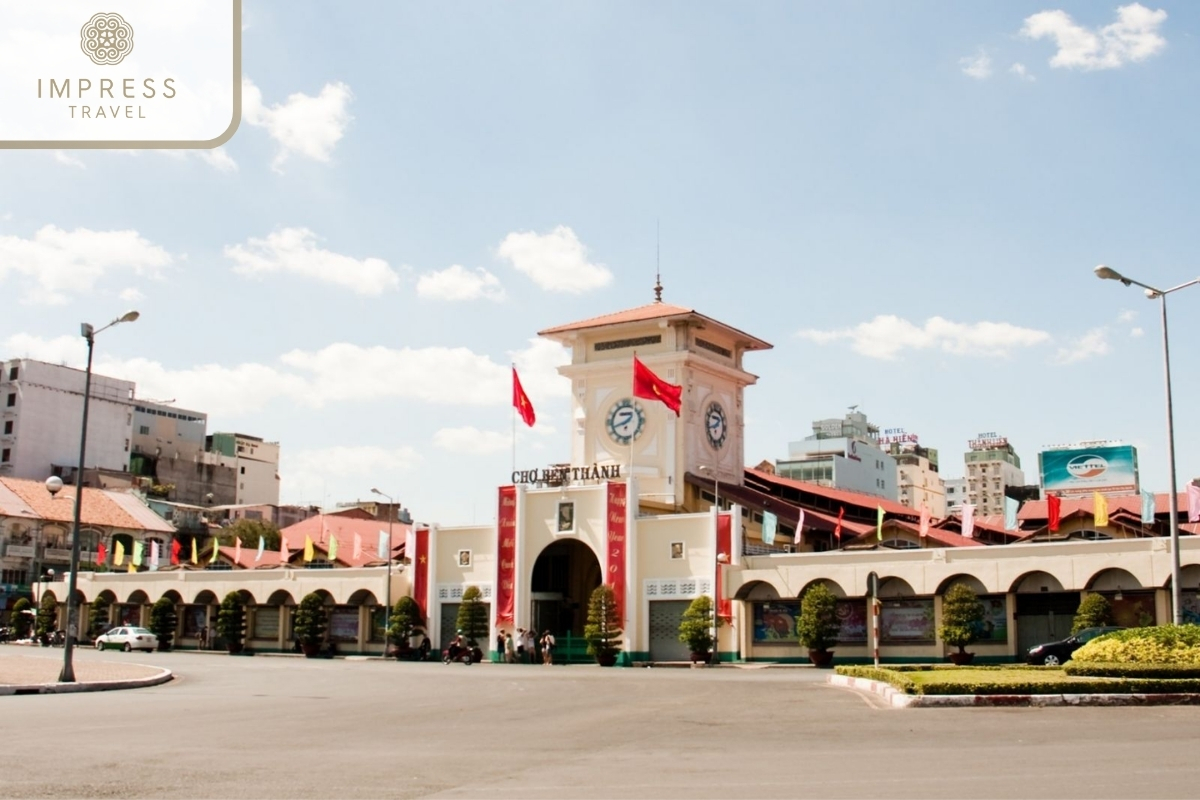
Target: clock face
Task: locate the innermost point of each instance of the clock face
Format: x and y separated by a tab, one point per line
625	421
716	426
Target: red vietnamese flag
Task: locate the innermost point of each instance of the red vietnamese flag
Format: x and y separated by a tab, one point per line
175	548
838	530
1053	511
521	401
651	387
101	554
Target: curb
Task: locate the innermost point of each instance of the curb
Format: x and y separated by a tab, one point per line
94	686
897	699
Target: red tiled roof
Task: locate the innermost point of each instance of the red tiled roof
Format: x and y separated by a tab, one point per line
1036	509
100	508
943	538
867	501
649	312
324	526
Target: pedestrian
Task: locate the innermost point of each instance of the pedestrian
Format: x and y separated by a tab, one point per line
202	638
499	646
531	647
548	649
520	645
510	652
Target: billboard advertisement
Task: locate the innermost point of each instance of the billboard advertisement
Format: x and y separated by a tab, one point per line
1109	469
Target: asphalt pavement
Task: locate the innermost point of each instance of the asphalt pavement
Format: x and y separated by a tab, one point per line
241	727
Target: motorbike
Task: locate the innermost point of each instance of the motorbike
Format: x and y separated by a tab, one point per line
467	655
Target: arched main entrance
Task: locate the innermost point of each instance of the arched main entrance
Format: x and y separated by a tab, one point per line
564	577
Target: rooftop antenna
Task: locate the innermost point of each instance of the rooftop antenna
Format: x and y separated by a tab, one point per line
657	272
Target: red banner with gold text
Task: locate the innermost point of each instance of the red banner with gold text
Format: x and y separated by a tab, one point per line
724	544
420	567
506	555
616	544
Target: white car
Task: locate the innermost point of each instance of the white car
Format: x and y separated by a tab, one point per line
127	639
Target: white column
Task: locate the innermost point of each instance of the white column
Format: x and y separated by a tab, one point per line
431	588
520	612
632	579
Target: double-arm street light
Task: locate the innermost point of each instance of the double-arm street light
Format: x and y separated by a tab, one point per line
1107	273
387	609
89	333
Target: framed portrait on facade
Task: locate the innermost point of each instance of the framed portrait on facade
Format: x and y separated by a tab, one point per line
566	517
464	558
676	550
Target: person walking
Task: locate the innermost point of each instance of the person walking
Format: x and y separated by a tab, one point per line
547	649
499	646
531	648
520	642
510	651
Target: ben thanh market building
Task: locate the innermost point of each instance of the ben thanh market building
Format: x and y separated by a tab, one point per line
664	508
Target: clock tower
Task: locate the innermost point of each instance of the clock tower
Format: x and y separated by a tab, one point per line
612	427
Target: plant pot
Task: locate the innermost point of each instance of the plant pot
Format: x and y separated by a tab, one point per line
607	659
961	659
234	649
163	646
703	658
820	658
310	650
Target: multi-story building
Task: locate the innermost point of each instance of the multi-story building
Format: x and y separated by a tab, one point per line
255	464
919	484
956	495
41	408
842	454
992	466
169	448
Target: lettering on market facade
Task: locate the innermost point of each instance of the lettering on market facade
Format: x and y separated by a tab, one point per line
558	476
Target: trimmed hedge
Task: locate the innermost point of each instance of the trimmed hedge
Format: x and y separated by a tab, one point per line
1162	644
889	676
1092	669
973	668
1048	684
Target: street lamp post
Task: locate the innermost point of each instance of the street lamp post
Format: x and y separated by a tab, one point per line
1107	273
89	333
716	657
387	609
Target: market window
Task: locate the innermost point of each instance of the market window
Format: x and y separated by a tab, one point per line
12	400
4	454
8	426
12	373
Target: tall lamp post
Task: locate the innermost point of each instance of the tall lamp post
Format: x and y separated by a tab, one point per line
716	653
387	609
1107	273
89	333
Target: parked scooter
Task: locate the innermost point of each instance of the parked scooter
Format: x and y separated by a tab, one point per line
467	655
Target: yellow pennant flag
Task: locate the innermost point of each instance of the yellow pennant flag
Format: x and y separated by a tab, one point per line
195	555
132	568
308	548
1099	509
119	554
216	549
333	545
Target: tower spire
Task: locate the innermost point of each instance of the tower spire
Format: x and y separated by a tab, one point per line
657	272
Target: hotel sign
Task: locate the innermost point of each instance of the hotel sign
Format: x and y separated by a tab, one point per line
564	475
986	441
896	436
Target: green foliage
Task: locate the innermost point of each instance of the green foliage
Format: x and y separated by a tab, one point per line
473	616
603	629
98	617
1014	682
231	620
20	620
1093	669
405	617
818	626
1093	612
163	622
1163	644
248	530
311	619
696	626
47	615
893	678
962	614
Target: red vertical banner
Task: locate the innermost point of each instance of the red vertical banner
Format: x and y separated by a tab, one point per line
420	567
724	545
615	572
506	555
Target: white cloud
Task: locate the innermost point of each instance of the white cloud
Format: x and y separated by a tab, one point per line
978	66
1136	332
295	250
69	350
307	473
886	336
1021	72
219	159
1091	344
556	261
309	126
471	441
458	283
68	160
131	295
56	263
1133	37
1127	316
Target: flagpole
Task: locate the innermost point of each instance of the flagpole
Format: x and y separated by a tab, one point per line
514	425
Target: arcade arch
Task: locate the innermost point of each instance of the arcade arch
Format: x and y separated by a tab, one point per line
565	574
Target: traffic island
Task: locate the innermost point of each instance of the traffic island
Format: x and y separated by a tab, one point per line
20	674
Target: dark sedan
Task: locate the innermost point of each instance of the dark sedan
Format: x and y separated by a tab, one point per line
1056	653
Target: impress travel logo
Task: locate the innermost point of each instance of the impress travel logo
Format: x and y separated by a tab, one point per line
73	76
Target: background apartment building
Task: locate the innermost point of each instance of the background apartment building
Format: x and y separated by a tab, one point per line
842	454
918	483
992	467
255	464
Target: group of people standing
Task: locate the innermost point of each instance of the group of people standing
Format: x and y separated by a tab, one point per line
525	646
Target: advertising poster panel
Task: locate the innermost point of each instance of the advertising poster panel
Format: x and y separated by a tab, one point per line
1078	471
994	626
908	621
775	621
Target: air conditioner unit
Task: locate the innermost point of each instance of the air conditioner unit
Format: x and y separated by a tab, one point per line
787	548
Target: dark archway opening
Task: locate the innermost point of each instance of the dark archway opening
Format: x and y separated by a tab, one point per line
564	577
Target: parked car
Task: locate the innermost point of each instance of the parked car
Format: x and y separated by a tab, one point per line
127	639
1055	653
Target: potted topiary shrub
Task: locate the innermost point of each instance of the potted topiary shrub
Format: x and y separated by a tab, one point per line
1094	612
603	629
962	616
817	626
231	622
47	618
22	613
309	623
405	617
696	629
473	616
98	617
163	622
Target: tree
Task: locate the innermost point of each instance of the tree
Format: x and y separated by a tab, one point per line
163	622
473	616
962	617
603	629
817	626
47	615
696	625
231	621
98	616
311	620
405	617
248	530
1094	612
20	619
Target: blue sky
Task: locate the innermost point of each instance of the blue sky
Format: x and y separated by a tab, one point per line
829	177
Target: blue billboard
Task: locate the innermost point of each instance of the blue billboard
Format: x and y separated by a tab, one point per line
1109	469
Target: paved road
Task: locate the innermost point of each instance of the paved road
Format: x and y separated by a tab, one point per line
278	727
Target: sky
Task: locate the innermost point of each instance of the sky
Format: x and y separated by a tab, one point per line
906	200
